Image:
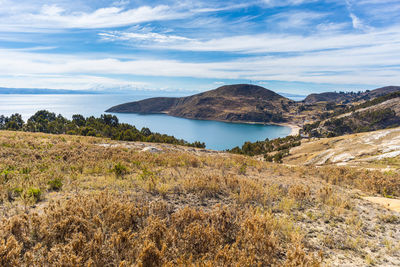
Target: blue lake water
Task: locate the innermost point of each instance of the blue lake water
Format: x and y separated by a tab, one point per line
216	135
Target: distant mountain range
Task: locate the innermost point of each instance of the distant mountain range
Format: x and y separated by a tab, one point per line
32	91
141	92
349	97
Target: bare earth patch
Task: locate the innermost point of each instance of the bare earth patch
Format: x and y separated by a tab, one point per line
373	150
389	203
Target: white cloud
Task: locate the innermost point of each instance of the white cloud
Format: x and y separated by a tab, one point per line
69	82
357	23
297	19
331	27
141	36
223	8
52	10
29	16
55	17
369	58
282	43
274	3
325	54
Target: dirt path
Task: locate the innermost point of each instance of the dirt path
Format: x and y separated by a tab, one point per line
389	203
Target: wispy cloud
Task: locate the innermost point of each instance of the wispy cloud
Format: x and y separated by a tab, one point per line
287	2
142	36
55	17
295	19
272	43
70	82
356	21
83	43
372	62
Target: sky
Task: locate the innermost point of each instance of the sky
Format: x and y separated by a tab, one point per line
292	46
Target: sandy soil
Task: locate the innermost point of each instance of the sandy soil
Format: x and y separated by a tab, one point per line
389	203
295	129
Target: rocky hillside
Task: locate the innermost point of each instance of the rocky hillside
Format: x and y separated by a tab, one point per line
237	103
372	150
382	91
341	97
328	97
381	113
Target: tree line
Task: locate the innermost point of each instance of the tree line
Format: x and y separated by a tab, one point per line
106	126
273	150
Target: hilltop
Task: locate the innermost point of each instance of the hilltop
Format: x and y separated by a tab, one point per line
336	97
235	103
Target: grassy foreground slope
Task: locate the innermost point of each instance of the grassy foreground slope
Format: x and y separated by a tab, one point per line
86	201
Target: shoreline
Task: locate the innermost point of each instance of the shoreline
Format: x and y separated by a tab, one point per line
295	129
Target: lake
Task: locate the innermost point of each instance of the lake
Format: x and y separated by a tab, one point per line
216	135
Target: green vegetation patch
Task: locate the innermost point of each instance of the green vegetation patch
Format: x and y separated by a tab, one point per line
105	126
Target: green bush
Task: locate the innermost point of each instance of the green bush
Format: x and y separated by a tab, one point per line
267	146
119	170
34	193
14	193
6	175
243	169
18	191
55	184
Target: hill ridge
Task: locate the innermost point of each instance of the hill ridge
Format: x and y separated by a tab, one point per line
235	103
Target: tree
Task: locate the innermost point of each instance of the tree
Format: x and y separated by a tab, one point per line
39	122
109	119
15	122
145	131
2	121
79	120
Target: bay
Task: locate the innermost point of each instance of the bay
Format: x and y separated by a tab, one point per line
216	135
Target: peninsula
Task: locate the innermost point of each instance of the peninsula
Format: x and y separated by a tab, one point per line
233	103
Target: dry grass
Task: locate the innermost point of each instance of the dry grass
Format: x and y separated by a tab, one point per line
372	182
111	230
108	206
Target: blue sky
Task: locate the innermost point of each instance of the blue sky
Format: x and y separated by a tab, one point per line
293	46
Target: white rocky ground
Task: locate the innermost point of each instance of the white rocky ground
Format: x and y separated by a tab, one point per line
351	150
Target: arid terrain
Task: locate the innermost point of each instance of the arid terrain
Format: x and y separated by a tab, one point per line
373	150
72	200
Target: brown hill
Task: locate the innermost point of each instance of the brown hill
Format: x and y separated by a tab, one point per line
327	97
380	113
382	91
238	103
350	96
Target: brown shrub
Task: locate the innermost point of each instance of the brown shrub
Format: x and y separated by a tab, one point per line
300	192
106	229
